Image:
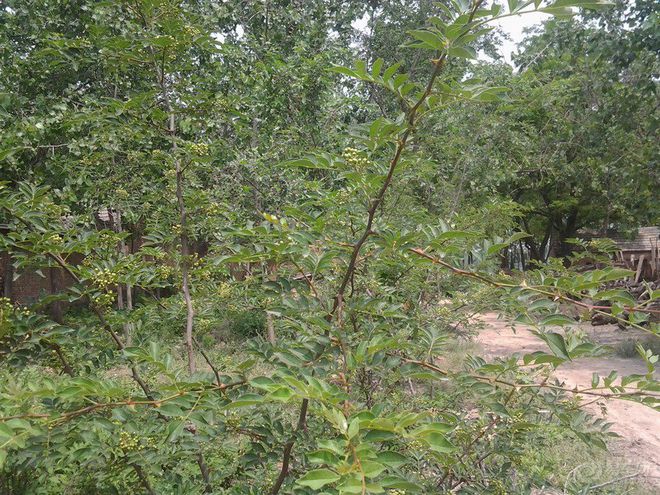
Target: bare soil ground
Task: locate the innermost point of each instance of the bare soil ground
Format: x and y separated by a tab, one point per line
638	425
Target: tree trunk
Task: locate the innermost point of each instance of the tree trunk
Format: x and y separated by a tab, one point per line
121	303
8	278
56	312
185	253
183	220
270	327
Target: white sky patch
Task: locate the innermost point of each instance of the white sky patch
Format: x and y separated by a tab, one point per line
514	27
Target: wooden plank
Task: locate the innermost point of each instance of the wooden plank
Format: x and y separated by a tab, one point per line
640	267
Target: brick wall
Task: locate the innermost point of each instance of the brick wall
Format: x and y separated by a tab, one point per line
29	286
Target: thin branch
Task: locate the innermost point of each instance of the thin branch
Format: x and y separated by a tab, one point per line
130	402
544	384
617	480
288	448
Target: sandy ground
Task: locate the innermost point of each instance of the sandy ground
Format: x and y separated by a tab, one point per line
638	425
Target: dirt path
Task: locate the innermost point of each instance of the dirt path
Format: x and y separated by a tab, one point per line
638	425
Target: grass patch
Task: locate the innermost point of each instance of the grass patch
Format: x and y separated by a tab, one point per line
561	464
628	347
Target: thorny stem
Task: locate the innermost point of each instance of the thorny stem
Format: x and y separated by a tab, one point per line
338	302
478	437
208	361
66	367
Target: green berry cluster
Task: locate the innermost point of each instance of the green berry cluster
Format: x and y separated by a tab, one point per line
191	31
103	278
213	208
224	290
54	239
7	308
200	149
129	442
103	300
355	158
164	271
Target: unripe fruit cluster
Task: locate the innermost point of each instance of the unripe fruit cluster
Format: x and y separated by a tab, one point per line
54	239
224	289
200	149
355	158
104	278
103	300
191	31
6	307
164	271
213	209
129	442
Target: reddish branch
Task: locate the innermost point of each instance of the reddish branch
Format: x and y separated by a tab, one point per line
538	290
130	402
543	384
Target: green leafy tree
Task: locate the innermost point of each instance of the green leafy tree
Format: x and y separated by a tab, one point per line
318	405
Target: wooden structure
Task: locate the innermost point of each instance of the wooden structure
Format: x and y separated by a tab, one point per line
641	254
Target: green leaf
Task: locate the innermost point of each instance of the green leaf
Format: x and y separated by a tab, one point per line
322	457
263	382
372	469
496	248
318	478
585	4
429	39
376	68
5	431
557	319
345	71
542	304
393	459
398	483
174	430
558	11
462	52
557	344
169	409
437	442
245	400
282	394
351	485
354	428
